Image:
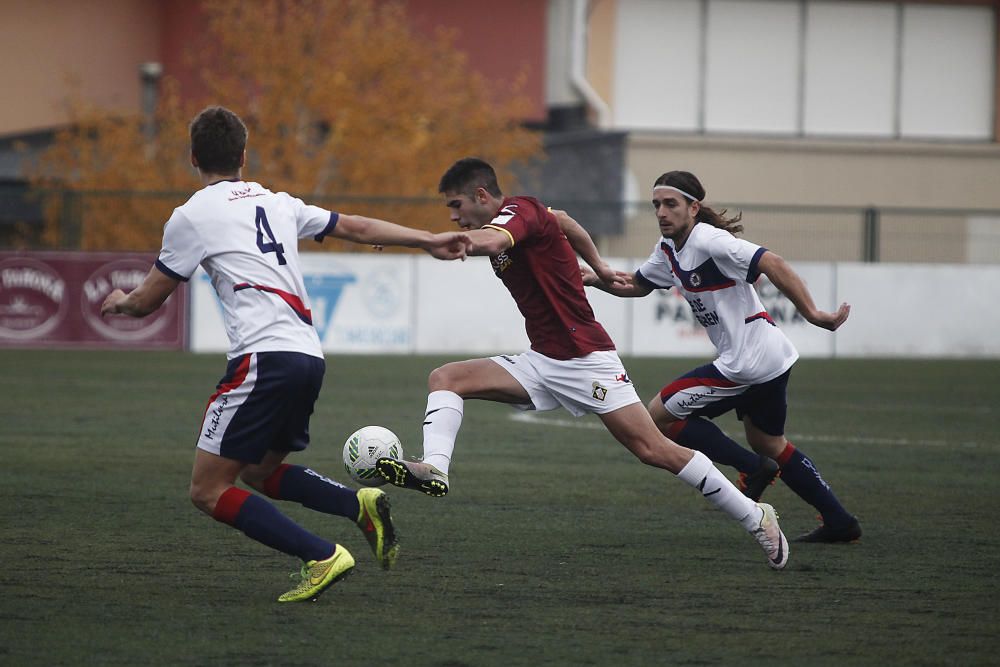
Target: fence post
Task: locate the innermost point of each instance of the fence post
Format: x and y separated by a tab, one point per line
71	219
871	236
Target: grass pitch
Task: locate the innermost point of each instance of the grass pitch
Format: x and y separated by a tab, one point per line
554	547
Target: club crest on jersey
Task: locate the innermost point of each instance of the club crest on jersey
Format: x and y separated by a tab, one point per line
694	279
600	392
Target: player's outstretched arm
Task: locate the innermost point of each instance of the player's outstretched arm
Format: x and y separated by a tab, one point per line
372	231
781	274
624	284
144	299
584	246
489	241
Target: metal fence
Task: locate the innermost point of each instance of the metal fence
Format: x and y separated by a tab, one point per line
133	221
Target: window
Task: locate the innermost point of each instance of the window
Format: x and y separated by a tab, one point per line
657	81
813	68
850	69
751	77
947	84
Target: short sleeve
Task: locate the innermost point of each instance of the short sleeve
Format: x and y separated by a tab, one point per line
655	271
312	221
182	249
736	258
513	222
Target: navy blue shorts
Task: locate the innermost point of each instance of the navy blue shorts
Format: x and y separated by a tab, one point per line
705	392
263	403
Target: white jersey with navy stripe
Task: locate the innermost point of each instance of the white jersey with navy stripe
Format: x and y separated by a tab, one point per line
246	239
715	272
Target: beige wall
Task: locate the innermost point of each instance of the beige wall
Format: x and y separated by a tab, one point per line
797	172
44	43
601	47
845	173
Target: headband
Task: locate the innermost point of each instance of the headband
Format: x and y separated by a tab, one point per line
670	187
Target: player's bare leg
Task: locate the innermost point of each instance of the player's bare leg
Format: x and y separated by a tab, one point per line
633	427
756	471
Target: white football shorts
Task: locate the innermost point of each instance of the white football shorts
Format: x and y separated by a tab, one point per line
596	383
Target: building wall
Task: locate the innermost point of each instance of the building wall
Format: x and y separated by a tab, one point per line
96	45
803	193
502	39
101	43
842	177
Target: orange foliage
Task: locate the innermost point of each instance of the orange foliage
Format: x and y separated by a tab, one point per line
341	97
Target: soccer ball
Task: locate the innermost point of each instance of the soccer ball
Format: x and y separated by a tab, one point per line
366	446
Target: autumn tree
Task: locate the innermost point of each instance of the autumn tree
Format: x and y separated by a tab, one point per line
344	102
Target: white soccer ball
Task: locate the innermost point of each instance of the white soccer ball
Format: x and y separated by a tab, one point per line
366	446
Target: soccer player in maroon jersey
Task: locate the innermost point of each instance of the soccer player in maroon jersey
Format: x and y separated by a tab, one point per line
572	361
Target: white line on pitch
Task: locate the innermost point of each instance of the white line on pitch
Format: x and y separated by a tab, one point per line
534	418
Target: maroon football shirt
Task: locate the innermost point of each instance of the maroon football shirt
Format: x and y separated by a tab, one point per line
542	274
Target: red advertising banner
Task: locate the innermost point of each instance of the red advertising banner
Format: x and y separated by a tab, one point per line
53	299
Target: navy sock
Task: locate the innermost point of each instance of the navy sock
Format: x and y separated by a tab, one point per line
307	487
704	436
802	477
260	520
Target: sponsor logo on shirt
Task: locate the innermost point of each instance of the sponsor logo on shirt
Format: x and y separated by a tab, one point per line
501	263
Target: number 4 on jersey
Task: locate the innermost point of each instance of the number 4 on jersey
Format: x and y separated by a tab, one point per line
264	228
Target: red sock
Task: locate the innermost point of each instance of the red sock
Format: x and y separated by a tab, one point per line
229	505
785	454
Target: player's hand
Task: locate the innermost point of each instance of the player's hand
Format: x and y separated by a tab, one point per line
111	301
832	321
449	245
613	278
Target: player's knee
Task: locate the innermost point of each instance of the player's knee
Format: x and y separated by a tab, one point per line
442	378
203	498
649	452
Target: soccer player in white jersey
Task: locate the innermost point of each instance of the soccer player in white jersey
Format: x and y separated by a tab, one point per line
246	239
700	255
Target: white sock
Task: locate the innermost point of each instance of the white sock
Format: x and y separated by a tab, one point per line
442	420
702	475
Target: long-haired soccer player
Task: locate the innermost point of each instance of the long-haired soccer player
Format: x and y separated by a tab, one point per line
699	255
